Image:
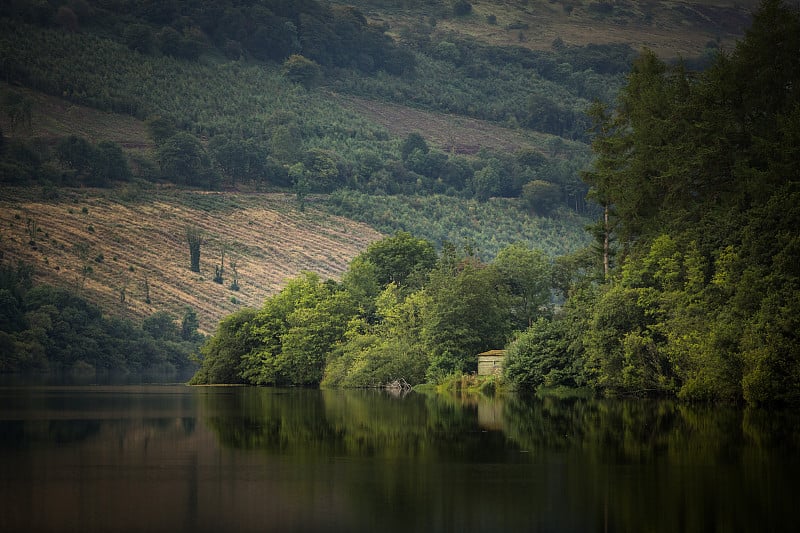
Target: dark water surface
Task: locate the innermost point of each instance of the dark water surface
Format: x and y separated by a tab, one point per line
175	458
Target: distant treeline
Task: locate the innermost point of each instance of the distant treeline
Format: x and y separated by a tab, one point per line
546	91
265	29
49	329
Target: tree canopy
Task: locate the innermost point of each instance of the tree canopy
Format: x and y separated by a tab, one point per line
50	329
696	169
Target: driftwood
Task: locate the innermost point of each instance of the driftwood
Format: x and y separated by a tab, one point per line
398	385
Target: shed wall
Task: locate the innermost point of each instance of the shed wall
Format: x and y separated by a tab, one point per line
490	364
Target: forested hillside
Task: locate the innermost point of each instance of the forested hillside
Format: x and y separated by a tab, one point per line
693	290
463	123
255	92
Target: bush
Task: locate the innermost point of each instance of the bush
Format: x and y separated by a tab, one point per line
302	70
461	8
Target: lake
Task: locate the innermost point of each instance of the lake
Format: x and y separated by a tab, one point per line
177	458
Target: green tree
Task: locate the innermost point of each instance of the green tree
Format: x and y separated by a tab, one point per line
302	70
297	329
160	129
239	160
541	197
301	183
372	355
541	356
461	8
401	259
195	239
497	178
76	153
286	143
528	276
109	164
468	313
323	170
161	325
693	169
221	355
189	325
361	281
183	159
413	141
311	336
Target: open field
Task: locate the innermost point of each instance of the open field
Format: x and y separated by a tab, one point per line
670	28
54	118
131	239
448	132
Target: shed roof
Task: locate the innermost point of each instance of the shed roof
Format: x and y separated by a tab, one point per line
493	352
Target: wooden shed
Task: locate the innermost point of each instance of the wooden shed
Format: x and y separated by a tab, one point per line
491	362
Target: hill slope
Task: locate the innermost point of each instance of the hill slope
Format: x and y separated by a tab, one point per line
126	240
143	226
140	233
670	28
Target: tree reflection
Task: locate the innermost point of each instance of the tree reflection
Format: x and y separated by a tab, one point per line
575	464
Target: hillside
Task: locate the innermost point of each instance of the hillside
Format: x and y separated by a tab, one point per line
130	219
446	131
53	118
498	94
670	28
131	238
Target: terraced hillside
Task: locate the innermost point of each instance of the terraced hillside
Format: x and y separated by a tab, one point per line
118	247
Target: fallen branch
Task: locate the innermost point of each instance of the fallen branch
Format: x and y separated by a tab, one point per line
398	385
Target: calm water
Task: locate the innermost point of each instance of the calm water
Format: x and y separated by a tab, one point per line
174	458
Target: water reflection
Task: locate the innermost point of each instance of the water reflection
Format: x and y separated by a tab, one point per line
173	458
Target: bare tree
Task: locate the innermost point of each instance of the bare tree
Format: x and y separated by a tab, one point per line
234	286
219	270
146	287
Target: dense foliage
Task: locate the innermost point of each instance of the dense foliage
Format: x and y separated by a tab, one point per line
400	312
73	161
698	173
545	91
700	295
485	227
691	291
48	329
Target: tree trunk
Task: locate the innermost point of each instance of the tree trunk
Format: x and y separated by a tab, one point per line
606	246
